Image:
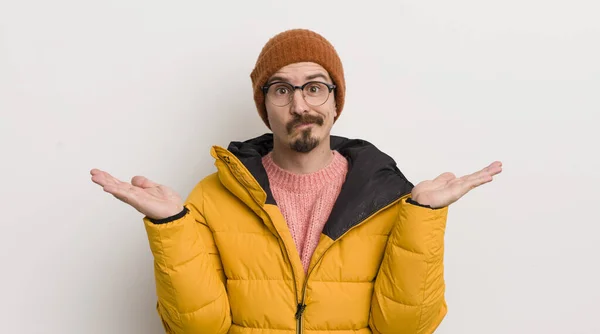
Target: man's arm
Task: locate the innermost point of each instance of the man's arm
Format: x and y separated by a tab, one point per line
190	283
409	289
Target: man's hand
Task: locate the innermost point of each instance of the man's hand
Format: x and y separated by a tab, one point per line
149	198
447	188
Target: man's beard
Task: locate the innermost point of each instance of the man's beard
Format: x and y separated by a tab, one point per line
306	142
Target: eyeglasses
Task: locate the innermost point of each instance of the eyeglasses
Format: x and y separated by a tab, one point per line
281	93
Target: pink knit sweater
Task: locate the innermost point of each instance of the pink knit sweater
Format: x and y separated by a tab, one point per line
306	200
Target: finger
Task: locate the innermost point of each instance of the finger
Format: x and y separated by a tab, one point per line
491	170
495	168
103	178
476	182
143	182
445	177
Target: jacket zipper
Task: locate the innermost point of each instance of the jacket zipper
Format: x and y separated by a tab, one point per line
284	251
289	261
302	306
299	311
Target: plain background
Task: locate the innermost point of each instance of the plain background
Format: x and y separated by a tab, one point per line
146	87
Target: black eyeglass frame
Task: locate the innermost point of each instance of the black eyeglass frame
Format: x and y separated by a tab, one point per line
329	86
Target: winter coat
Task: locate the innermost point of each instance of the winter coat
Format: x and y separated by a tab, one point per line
228	264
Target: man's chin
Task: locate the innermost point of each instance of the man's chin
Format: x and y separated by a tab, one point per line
305	143
302	147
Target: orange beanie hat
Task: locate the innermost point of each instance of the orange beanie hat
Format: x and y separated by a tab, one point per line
293	46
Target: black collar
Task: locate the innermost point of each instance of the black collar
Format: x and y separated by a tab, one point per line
373	180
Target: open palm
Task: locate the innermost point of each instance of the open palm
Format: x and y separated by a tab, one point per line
447	188
151	199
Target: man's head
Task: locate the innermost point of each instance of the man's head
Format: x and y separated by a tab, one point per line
299	88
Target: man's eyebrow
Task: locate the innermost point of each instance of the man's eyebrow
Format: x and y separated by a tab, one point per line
317	75
276	78
308	77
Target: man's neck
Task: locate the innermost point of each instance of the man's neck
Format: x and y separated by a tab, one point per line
302	163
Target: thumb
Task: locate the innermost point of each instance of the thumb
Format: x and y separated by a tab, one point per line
143	182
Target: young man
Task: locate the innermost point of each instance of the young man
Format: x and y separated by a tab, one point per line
299	231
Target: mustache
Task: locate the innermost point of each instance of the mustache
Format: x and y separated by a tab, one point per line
304	119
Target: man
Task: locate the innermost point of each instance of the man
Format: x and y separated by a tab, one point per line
299	231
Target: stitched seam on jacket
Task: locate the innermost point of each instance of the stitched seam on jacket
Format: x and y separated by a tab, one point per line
200	238
162	248
259	279
317	329
337	282
261	233
287	330
428	264
173	268
203	306
399	302
406	250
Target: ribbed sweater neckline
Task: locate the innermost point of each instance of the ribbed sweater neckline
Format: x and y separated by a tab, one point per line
299	183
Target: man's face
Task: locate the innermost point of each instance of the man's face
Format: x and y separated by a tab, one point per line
301	125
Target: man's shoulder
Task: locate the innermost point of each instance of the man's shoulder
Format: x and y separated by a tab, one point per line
208	183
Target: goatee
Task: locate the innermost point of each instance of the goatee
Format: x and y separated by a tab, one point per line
306	142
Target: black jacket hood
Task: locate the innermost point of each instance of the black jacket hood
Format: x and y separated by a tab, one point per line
373	180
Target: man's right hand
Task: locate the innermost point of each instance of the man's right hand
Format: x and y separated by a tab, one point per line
149	198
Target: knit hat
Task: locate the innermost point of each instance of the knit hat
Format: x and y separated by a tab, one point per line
292	46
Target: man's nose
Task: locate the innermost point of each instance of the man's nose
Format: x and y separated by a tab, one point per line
299	105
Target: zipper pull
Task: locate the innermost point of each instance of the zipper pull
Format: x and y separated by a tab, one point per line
300	310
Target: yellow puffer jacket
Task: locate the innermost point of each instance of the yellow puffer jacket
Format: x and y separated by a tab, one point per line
228	263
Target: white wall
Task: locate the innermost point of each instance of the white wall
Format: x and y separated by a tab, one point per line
146	87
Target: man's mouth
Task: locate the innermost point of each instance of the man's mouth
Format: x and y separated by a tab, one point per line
305	123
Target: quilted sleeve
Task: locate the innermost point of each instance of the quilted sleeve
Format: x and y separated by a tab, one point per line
408	297
190	284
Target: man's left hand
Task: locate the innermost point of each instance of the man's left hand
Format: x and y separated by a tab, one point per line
447	188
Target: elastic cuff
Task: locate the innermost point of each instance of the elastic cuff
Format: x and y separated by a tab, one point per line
170	219
411	201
